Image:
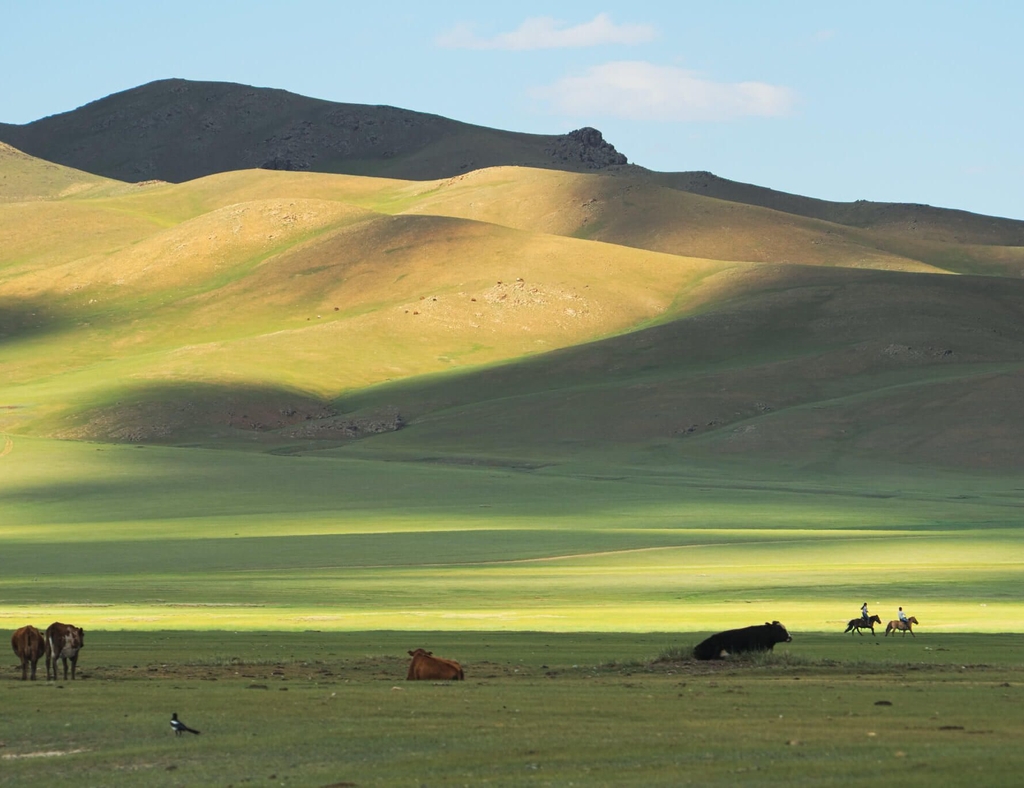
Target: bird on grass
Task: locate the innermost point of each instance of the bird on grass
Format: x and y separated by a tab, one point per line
179	727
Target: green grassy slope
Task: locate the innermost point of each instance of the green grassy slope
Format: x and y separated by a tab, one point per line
807	366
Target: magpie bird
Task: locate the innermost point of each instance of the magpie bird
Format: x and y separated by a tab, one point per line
180	727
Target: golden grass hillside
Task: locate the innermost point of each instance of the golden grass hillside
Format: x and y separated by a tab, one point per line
243	282
24	177
634	208
506	312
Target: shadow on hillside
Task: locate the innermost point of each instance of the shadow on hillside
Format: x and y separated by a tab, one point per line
30	318
840	322
806	363
211	414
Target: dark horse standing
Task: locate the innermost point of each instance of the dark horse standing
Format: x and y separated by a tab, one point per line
860	623
896	625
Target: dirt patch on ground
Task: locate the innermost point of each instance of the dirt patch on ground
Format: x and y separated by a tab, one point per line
277	675
39	754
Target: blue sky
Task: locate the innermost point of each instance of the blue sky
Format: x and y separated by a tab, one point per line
906	101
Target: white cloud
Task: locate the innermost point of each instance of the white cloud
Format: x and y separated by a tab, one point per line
547	33
644	91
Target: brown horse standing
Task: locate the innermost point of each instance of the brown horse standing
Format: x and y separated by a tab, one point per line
30	646
901	626
860	623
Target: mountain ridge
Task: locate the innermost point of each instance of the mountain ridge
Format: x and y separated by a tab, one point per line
178	130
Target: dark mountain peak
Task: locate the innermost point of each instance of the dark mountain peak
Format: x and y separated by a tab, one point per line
177	130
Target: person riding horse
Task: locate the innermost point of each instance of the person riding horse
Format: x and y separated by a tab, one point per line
856	624
864	612
902	624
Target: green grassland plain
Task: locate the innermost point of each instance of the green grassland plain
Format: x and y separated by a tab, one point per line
164	537
319	708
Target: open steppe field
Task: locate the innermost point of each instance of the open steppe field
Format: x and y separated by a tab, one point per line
264	432
252	594
113	536
331	709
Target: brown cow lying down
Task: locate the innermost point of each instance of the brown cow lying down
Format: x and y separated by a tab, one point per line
425	666
63	642
30	646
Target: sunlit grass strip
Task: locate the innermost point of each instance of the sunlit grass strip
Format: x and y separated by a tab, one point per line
331	523
798	616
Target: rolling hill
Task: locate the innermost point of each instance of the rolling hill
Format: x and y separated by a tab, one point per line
419	393
178	130
504	315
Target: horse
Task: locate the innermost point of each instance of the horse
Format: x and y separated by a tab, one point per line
859	624
902	626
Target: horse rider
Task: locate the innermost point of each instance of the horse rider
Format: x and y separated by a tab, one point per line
902	616
864	612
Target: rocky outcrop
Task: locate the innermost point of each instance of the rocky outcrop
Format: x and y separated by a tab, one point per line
354	427
586	146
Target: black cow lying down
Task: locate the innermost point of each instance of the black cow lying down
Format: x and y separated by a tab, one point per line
762	637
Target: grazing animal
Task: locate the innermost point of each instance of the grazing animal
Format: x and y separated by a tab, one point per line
179	727
30	647
901	626
762	637
63	642
425	666
859	623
